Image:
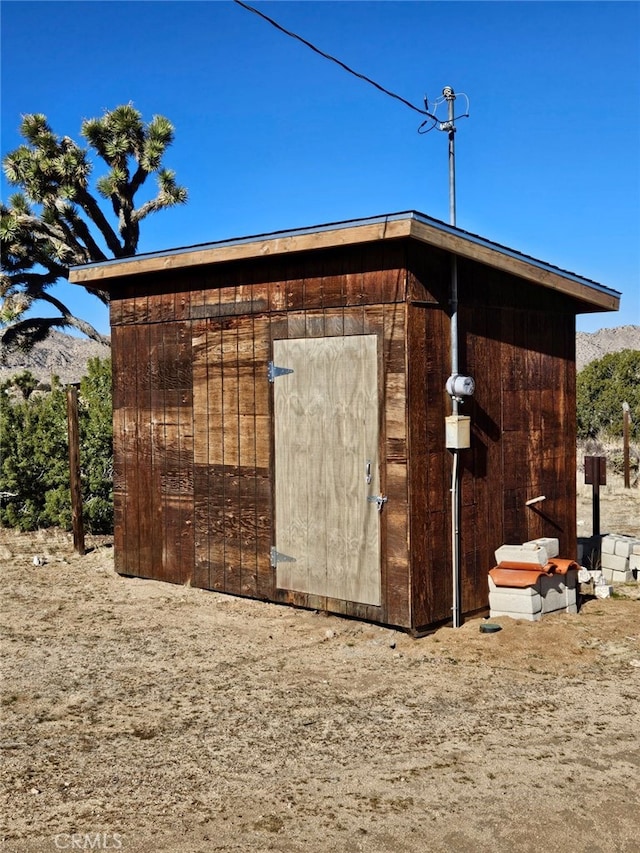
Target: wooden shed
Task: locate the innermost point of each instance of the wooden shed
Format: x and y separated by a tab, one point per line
280	404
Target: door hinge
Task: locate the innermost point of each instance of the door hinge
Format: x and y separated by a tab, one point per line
273	372
277	557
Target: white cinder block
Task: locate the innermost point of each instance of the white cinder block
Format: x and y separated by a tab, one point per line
624	545
634	562
613	561
507	602
521	554
552	546
550	594
571	608
603	591
531	617
608	544
635	548
612	576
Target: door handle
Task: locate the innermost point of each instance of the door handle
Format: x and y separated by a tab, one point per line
379	500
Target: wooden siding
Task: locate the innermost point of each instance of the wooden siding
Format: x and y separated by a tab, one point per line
518	343
193	417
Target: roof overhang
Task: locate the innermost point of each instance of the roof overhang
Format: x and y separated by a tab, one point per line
395	226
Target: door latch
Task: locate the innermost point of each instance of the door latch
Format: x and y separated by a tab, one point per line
378	500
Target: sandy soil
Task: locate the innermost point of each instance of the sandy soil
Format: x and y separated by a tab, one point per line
141	716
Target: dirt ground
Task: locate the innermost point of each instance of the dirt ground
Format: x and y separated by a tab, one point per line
140	716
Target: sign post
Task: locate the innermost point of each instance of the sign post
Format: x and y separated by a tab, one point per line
595	475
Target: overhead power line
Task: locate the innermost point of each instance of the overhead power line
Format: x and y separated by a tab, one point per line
333	59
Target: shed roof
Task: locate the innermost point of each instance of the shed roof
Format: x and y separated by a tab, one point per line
393	226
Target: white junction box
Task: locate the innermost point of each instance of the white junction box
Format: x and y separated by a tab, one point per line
458	432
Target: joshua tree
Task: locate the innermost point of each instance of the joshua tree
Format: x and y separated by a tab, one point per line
55	221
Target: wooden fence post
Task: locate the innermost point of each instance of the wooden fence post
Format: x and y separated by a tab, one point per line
74	469
625	445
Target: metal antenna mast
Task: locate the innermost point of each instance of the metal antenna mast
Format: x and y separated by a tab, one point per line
456	548
450	96
457	386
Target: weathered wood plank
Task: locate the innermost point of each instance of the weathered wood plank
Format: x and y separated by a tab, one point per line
395	520
156	509
414	451
162	306
334	322
200	392
128	314
186	448
353	287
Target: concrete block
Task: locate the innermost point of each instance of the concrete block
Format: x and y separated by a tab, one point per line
556	594
522	554
624	545
508	602
571	608
526	591
613	561
531	617
552	546
608	544
635	548
603	591
613	576
634	562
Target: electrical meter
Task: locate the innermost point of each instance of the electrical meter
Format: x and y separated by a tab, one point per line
460	386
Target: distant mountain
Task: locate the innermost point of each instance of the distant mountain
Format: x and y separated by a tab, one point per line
67	356
62	355
593	345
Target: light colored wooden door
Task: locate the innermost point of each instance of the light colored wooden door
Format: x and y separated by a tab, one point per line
326	466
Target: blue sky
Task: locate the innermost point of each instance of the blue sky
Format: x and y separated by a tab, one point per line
270	136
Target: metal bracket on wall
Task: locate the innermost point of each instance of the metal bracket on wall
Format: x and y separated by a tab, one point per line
273	372
277	557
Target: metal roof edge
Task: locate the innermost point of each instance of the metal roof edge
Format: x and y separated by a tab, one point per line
254	238
513	253
287	235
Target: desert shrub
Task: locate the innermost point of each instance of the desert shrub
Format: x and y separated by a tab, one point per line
34	455
96	445
602	387
33	449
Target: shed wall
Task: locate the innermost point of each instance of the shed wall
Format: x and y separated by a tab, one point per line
193	437
193	418
518	342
